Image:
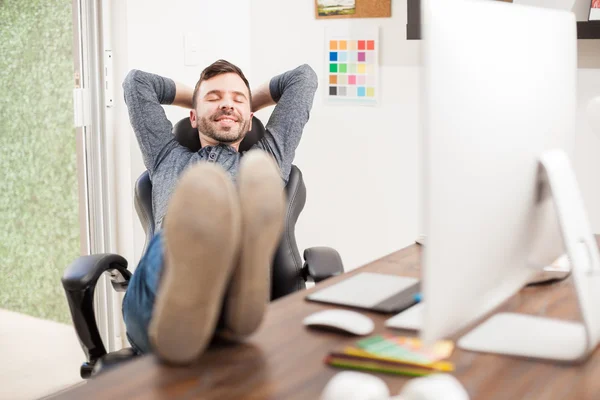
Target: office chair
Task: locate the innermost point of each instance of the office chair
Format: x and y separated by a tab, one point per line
289	274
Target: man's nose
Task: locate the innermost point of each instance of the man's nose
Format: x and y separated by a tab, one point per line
226	104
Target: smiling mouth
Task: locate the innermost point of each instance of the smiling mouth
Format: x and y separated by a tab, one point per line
226	120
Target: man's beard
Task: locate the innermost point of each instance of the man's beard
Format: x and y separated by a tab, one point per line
210	127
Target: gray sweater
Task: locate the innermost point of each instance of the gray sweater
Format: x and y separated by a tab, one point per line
165	158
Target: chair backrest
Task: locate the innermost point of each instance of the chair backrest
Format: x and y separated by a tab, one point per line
287	264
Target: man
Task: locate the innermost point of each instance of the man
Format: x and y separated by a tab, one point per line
207	270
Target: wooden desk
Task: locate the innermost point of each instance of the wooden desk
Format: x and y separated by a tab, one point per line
284	360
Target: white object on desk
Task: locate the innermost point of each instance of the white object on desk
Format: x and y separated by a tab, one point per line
411	319
433	387
351	385
345	320
546	338
558	270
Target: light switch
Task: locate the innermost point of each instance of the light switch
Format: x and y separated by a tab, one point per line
191	48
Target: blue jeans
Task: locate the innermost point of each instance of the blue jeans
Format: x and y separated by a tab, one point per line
138	303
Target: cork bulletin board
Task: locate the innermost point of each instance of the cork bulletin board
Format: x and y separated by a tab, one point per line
331	9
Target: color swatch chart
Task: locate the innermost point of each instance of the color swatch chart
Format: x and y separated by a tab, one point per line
352	69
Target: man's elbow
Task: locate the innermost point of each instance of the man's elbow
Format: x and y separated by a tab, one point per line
308	75
130	78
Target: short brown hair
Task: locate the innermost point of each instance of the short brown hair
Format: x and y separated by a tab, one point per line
217	68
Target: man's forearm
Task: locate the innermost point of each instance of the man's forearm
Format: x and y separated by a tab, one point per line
293	91
183	95
261	97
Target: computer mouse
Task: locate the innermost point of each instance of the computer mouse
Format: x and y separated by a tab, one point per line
559	270
343	320
350	385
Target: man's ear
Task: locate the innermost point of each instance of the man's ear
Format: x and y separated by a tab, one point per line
193	119
251	119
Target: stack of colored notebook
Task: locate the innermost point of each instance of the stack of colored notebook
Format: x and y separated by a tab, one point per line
395	355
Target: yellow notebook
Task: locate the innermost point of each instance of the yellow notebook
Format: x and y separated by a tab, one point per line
442	366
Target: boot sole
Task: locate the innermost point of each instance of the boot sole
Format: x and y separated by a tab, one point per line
262	200
202	236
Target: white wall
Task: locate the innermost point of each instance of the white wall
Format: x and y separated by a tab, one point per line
360	164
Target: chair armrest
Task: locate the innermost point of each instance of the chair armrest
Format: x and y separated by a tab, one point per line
86	270
322	263
79	282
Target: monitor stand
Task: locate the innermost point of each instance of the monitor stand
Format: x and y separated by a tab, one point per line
547	338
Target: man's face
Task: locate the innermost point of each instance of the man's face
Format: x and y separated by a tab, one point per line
222	111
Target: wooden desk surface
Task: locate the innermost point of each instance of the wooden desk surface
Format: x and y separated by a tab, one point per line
284	360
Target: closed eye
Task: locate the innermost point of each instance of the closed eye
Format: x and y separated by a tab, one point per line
216	95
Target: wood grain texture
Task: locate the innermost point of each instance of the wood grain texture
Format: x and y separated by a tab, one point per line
284	360
364	9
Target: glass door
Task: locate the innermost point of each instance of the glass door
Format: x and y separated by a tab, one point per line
54	203
40	199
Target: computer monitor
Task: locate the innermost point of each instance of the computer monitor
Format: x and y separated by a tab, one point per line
499	117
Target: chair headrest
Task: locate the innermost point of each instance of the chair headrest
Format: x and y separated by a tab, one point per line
188	136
